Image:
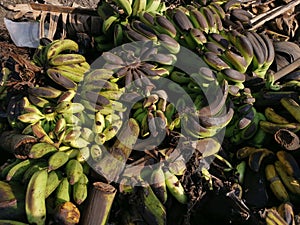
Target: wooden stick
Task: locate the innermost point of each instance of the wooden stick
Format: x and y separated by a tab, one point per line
274	14
286	70
99	204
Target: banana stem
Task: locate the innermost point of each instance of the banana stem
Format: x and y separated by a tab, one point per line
17	144
99	204
286	70
272	14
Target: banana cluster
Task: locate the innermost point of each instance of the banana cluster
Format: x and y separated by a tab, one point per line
244	52
281	215
62	65
245	126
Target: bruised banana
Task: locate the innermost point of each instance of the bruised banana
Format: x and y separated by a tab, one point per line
35	202
58	46
38	150
66	59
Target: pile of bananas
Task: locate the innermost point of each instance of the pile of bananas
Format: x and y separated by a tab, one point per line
136	98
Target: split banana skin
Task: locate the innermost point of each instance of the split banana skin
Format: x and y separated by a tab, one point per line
79	110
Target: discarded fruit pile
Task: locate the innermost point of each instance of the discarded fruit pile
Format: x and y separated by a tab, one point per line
185	115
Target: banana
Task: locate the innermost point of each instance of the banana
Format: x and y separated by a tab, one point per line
164	26
158	184
290	164
168	43
255	158
62	80
273	218
77	68
74	171
197	36
241	15
69	74
214	61
181	21
118	34
31	117
151	207
276	185
80	190
292	184
147	18
37	166
110	131
98	74
44	92
199	21
175	187
54	179
35	202
39	132
210	18
62	192
152	5
6	169
216	7
292	107
138	6
58	46
272	116
16	172
144	29
38	101
66	107
125	5
286	211
30	108
57	160
38	150
272	128
66	59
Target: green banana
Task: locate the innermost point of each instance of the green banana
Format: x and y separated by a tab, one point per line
16	172
62	80
38	150
138	6
158	184
57	160
35	202
54	179
80	190
175	187
74	171
37	166
6	169
125	5
58	46
62	192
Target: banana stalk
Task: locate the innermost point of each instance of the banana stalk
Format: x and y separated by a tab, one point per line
96	213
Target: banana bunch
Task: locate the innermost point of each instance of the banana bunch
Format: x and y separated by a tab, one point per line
62	66
210	119
276	121
245	126
244	52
